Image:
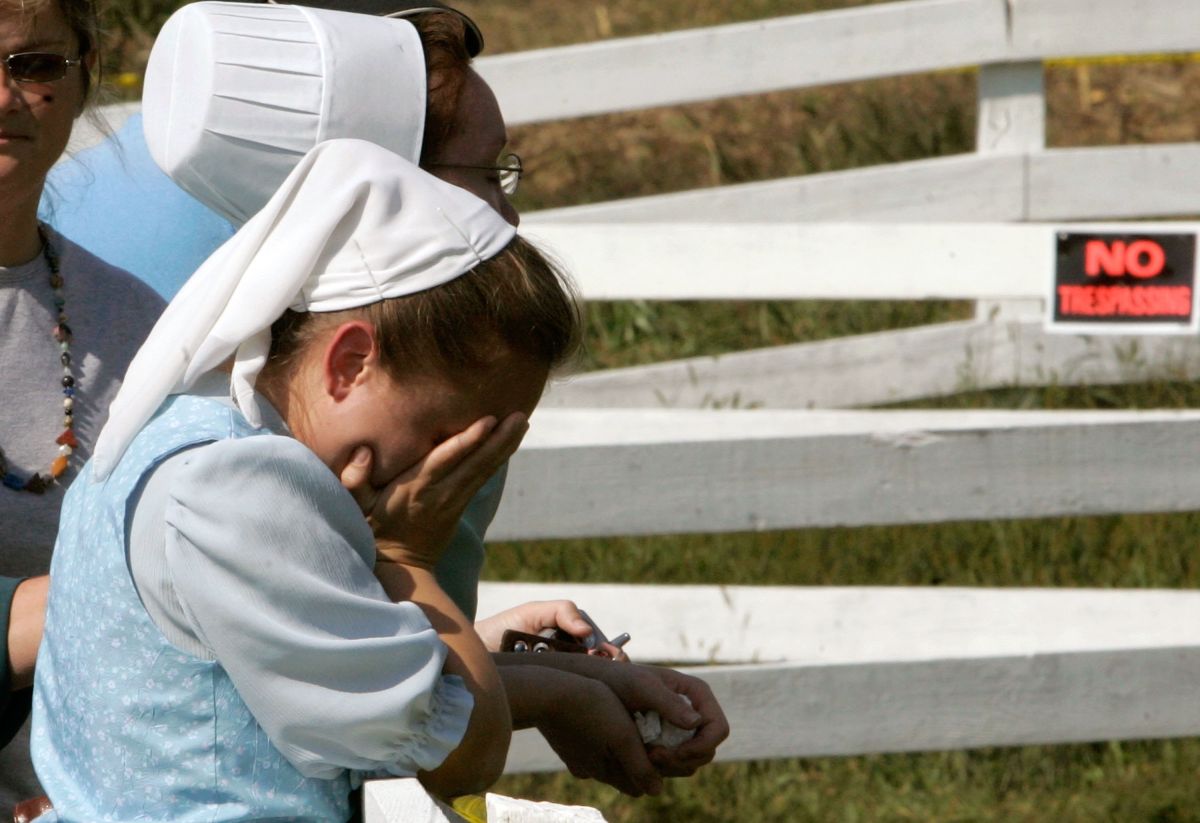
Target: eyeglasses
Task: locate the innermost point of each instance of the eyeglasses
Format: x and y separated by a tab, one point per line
509	170
38	66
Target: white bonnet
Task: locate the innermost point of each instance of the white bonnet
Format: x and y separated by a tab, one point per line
351	225
236	93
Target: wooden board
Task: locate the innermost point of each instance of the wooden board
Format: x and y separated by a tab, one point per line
827	47
1079	28
960	188
745	58
886	367
861	624
755	261
601	473
768	261
1114	182
805	710
1063	184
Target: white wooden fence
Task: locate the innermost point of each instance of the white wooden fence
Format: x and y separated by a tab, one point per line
751	440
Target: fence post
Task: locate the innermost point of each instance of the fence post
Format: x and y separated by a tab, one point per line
1011	120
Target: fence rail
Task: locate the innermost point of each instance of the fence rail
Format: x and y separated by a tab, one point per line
589	473
827	47
989	668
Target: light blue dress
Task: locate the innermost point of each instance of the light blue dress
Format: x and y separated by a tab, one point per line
129	727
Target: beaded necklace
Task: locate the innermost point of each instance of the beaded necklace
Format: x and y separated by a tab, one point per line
38	483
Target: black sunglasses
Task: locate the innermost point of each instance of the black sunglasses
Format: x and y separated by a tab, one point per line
38	66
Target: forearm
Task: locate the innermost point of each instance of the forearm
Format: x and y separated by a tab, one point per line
479	759
534	693
25	622
585	665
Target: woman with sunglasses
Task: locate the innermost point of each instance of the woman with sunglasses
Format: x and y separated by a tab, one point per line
69	324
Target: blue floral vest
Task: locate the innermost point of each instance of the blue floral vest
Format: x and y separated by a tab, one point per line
127	726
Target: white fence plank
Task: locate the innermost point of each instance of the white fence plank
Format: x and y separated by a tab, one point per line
802	710
886	367
1064	184
959	188
744	261
827	47
1079	28
1115	182
761	261
654	472
745	58
831	624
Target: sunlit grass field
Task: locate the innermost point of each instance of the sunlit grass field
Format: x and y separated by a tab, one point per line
800	132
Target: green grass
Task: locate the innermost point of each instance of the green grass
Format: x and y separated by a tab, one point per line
1118	782
633	333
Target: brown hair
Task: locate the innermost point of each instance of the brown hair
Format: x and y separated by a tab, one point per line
447	61
81	17
518	299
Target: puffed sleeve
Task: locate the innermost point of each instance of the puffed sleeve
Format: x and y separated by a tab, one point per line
271	561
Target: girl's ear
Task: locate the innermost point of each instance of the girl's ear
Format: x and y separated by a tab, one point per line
350	353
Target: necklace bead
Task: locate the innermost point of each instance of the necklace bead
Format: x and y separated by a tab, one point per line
67	443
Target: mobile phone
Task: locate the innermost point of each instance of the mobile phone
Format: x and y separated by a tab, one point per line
515	641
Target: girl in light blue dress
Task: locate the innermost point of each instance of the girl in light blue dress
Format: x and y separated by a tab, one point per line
228	638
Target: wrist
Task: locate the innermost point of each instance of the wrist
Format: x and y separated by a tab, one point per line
536	696
400	554
401	581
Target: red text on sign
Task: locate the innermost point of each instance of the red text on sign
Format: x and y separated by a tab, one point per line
1125	301
1141	258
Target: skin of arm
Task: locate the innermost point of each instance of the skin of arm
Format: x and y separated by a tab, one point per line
582	707
25	629
478	760
643	688
585	723
413	519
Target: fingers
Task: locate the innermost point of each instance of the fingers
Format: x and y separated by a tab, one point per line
607	649
673	763
639	775
486	457
466	461
712	731
447	456
679	712
564	614
356	478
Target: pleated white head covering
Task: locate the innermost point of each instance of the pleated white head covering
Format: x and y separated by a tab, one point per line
236	93
353	224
